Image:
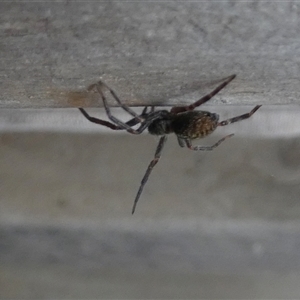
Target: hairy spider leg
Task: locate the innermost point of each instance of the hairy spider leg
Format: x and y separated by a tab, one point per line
134	121
206	148
181	142
157	156
99	121
152	108
111	117
239	118
143	115
149	118
204	99
131	122
99	86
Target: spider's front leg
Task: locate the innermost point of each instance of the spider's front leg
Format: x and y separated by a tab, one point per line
145	118
100	84
115	120
132	122
99	121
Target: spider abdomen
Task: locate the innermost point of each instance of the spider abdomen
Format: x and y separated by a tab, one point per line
194	124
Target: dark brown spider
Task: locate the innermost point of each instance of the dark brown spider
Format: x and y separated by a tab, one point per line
186	123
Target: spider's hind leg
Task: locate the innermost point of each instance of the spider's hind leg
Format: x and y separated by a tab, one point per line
204	99
207	148
239	118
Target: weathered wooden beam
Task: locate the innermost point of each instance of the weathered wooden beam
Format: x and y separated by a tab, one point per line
162	53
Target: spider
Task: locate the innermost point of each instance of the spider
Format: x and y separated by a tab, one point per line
186	123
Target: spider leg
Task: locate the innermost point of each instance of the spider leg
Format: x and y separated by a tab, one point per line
239	118
131	122
149	118
206	148
152	109
181	142
134	121
115	120
204	99
157	156
99	86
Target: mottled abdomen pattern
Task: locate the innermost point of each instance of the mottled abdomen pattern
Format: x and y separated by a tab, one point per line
194	124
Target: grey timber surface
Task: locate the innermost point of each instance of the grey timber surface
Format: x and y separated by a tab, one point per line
161	53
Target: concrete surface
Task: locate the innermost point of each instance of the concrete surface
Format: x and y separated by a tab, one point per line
149	52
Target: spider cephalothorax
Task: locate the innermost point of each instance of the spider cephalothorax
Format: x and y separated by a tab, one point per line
186	123
162	125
